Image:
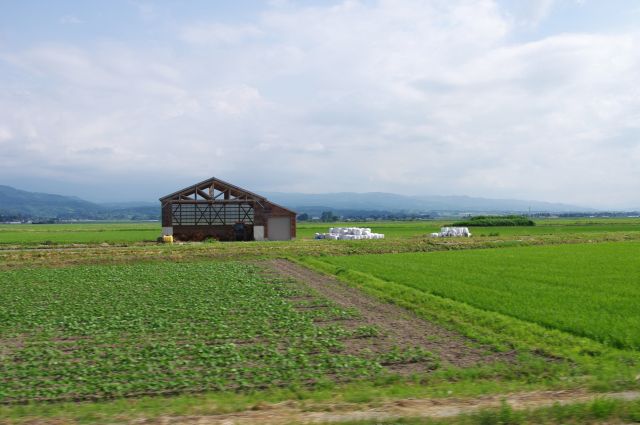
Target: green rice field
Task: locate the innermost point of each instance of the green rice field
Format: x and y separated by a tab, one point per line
95	233
409	229
78	233
590	290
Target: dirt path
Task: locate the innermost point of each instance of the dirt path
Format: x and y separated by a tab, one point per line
286	413
401	327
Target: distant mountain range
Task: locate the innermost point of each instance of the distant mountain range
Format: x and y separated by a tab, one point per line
18	204
380	201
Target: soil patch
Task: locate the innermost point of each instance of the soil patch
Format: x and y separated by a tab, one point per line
400	328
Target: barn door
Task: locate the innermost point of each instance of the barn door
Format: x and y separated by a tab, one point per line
279	229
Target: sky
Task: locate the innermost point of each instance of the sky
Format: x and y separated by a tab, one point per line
129	100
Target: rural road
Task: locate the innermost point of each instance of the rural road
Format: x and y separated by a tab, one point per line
290	412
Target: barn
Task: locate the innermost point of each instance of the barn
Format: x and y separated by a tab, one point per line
220	210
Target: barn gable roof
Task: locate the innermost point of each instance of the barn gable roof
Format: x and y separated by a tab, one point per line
215	189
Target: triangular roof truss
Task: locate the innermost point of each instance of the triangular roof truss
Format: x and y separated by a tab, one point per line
213	190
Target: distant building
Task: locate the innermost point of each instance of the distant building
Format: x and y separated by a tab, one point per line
216	209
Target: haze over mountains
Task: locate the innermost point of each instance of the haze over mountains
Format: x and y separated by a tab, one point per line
380	201
20	204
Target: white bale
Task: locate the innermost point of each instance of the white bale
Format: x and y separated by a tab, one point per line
349	233
452	232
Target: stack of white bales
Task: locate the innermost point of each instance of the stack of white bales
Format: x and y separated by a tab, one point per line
349	233
452	232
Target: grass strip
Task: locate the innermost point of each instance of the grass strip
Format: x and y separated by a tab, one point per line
70	256
600	367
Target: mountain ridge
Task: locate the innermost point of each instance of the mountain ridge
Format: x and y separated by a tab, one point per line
418	203
16	204
23	204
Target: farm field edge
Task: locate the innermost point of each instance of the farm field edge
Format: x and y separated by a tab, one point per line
602	367
144	233
585	289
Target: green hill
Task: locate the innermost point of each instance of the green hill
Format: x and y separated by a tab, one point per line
18	204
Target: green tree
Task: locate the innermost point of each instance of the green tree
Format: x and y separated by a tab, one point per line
328	217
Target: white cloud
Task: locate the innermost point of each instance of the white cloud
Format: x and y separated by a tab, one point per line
147	11
5	135
70	20
540	9
217	33
236	100
431	98
530	13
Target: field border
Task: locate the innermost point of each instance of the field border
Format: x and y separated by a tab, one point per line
54	257
596	366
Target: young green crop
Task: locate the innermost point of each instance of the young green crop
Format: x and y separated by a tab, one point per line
96	332
590	290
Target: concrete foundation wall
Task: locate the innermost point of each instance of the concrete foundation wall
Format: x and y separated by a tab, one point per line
200	233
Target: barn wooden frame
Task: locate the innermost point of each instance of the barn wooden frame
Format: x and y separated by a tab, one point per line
211	208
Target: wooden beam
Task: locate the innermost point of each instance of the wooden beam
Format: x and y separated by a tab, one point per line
204	195
212	201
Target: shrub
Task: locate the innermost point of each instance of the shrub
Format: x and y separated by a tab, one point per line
496	220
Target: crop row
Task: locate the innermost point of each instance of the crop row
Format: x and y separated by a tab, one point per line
107	331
